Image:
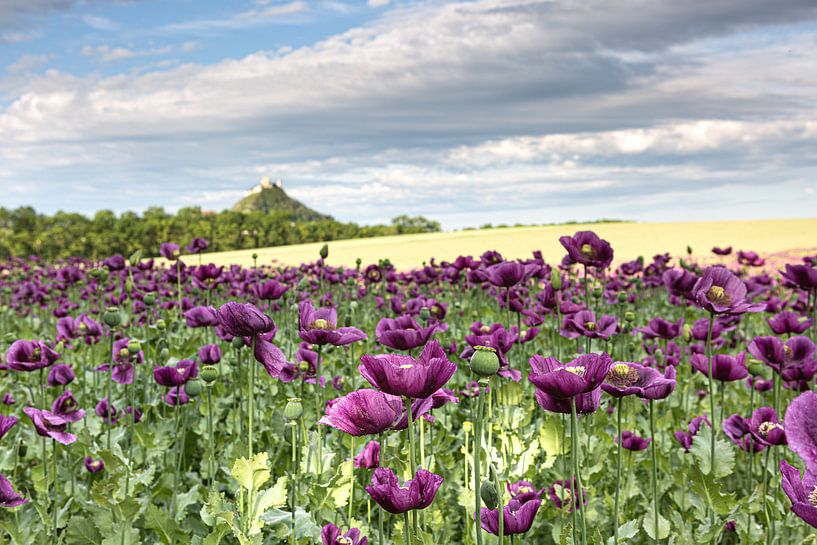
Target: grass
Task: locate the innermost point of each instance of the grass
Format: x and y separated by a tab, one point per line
629	241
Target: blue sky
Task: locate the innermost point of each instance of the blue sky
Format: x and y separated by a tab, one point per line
497	111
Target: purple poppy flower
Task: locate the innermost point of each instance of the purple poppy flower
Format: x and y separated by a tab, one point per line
750	258
788	323
8	399
523	491
417	493
719	291
60	375
585	403
405	376
629	378
6	423
172	376
800	424
802	276
686	437
169	251
369	457
563	489
319	326
273	359
48	424
722	251
584	323
517	517
210	354
801	491
778	354
506	274
659	328
738	430
176	396
765	427
8	497
30	355
106	411
331	535
633	442
201	317
271	290
93	466
67	407
206	277
115	263
586	248
403	333
725	368
243	320
679	282
363	412
565	380
198	245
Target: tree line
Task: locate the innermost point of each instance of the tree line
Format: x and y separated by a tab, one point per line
25	232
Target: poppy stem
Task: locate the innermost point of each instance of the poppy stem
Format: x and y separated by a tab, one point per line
56	488
654	472
477	453
293	488
618	471
380	511
211	437
352	485
412	453
318	407
711	404
406	529
251	408
580	495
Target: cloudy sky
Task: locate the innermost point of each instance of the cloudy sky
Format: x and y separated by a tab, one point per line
468	112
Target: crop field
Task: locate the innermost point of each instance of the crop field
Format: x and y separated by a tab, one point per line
632	240
612	389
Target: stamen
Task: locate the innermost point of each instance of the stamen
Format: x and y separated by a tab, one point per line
718	295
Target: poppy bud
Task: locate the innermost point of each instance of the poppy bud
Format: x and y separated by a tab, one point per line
353	305
111	317
484	361
555	279
134	347
347	321
150	299
238	343
358	263
425	314
254	256
756	368
622	297
161	324
294	409
687	333
597	292
164	354
123	353
193	387
98	274
629	316
467	426
303	283
659	357
489	495
324	251
209	373
135	257
689	250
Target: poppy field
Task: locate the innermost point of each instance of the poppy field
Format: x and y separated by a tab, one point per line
599	399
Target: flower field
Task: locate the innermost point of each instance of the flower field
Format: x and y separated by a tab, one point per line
582	395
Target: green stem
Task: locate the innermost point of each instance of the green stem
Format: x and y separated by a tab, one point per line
380	511
654	474
578	476
711	402
477	454
56	488
251	409
618	471
211	439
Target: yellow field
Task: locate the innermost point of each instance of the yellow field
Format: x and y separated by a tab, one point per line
629	240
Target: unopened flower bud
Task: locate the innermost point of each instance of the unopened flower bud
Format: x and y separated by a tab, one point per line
193	387
164	353
484	361
134	347
324	251
687	333
150	299
756	368
425	314
353	305
489	494
238	343
597	292
629	316
622	297
659	357
555	279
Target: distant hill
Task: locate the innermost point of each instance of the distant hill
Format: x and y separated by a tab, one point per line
269	197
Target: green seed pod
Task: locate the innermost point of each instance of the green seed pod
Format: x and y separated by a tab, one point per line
425	314
629	316
294	409
254	256
238	343
489	494
358	263
597	292
347	321
134	347
164	353
622	297
161	324
193	387
111	317
353	305
756	368
555	279
687	333
324	251
149	299
209	373
484	361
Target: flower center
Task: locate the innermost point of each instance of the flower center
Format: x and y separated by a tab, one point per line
812	497
343	541
303	365
622	374
766	427
485	348
788	351
485	329
322	324
407	366
718	295
588	251
590	326
525	490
